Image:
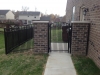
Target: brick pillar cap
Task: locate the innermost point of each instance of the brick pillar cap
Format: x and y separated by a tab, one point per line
80	22
40	21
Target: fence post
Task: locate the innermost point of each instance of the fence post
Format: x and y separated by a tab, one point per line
41	36
79	37
5	41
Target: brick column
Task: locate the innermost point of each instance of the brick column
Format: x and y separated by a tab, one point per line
40	37
79	37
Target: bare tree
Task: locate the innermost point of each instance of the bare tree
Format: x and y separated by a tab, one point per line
64	18
52	17
42	14
13	11
16	14
24	8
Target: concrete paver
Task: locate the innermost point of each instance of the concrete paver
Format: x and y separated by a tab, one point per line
59	46
59	64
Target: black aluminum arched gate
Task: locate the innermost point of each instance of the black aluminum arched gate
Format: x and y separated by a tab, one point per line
59	38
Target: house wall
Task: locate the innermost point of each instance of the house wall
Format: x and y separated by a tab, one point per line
40	15
2	17
93	15
30	17
10	15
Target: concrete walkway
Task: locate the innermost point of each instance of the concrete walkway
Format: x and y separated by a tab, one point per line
59	64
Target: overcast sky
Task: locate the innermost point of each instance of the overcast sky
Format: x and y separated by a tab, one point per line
48	6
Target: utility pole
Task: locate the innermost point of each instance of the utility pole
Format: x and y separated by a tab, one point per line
35	9
46	12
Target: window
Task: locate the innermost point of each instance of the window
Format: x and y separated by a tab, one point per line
73	15
29	22
24	21
82	13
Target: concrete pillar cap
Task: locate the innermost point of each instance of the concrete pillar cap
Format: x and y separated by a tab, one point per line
80	22
40	21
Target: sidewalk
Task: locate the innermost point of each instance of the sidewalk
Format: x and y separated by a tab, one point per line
59	64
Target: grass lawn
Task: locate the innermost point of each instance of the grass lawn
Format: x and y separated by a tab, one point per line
1	29
56	35
21	63
85	66
2	40
26	46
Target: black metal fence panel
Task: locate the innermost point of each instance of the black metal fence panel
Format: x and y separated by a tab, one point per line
16	36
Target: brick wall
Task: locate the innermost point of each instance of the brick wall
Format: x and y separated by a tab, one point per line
93	15
94	42
40	37
79	38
